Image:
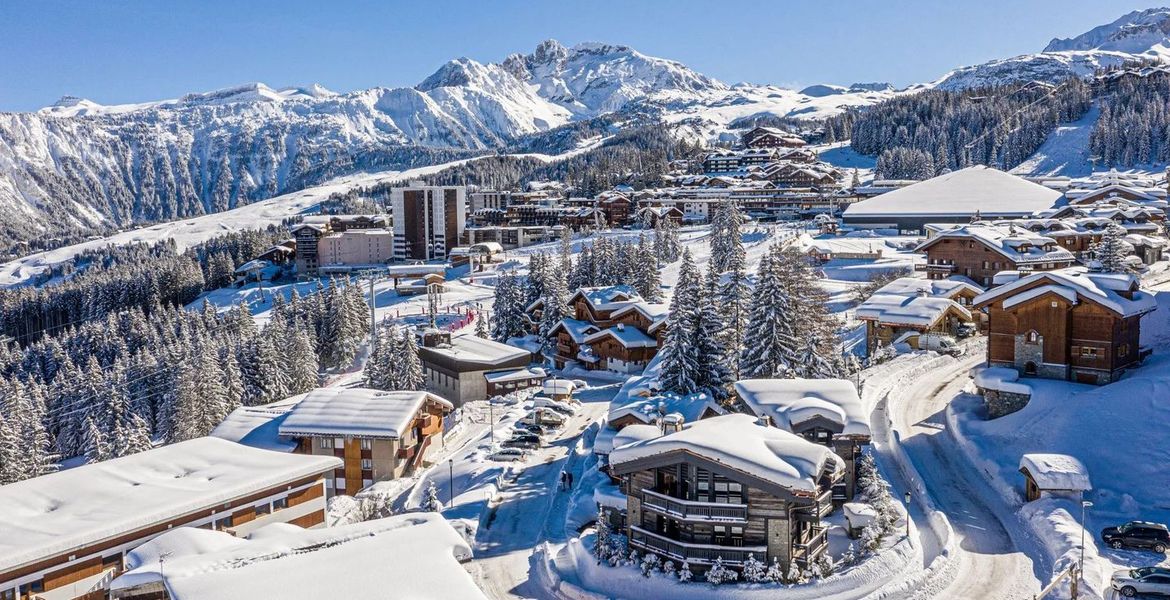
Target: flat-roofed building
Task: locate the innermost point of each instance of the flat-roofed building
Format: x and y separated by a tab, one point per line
457	367
64	535
428	220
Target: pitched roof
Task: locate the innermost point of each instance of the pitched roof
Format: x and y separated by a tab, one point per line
1080	283
54	513
357	412
900	309
789	402
1057	472
961	193
627	336
939	288
647	408
740	443
1019	245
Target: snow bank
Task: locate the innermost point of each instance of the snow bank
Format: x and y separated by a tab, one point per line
1057	472
1000	379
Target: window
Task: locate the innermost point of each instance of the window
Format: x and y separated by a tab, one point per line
1033	337
367	464
1087	352
338	442
223	523
367	444
280	503
263	509
339	483
327	443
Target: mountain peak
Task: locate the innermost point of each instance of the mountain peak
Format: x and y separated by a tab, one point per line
1135	33
549	51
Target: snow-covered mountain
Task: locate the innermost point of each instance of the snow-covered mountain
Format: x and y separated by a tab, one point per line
79	164
1139	35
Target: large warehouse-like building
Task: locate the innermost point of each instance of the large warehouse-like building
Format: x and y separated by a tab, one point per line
961	196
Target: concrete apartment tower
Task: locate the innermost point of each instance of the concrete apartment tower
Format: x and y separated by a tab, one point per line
428	220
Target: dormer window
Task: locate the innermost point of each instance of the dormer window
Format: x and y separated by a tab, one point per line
1032	337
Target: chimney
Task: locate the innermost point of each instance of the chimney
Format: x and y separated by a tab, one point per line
764	421
672	423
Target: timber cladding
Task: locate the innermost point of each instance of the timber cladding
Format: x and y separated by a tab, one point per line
146	533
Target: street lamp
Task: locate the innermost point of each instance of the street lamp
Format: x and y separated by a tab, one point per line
906	499
451	481
1084	505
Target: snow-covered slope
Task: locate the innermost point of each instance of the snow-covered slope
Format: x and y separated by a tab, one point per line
1139	35
79	164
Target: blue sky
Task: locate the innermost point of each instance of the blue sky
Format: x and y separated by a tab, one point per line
115	51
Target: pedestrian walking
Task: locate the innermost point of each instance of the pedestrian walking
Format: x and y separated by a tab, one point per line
564	479
570	480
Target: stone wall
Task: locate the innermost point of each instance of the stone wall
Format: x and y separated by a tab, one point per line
1003	403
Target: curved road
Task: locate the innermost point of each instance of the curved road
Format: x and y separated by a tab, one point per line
990	564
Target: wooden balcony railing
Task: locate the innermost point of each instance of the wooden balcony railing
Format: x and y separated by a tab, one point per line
803	553
695	553
688	509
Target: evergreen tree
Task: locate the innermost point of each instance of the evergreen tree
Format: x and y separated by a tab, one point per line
714	373
1111	252
481	327
769	344
647	281
554	309
508	309
680	361
94	445
300	362
412	377
431	502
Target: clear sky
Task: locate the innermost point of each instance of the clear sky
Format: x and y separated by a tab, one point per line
116	51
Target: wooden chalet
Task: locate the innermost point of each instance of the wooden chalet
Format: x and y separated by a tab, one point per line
978	252
771	137
1066	324
727	487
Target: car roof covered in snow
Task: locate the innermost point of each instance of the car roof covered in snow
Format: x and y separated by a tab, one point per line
414	556
77	507
359	412
976	189
789	402
1076	283
742	444
1057	472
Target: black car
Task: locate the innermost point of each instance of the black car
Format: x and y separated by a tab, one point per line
522	440
1138	534
530	428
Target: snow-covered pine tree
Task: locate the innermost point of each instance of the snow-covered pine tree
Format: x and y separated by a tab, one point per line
714	374
850	556
717	574
680	361
669	569
554	308
1111	252
684	573
794	575
431	502
11	465
754	571
775	572
381	371
823	566
666	242
94	445
769	347
650	564
601	540
481	326
647	281
411	375
300	362
508	309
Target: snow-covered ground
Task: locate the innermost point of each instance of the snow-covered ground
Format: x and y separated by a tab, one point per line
1066	151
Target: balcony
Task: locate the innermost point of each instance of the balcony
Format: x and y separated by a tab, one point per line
821	506
808	551
694	511
940	268
695	553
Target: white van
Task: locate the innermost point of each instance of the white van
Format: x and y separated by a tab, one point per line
943	344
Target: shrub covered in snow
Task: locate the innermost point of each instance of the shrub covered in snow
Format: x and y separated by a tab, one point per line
719	574
669	569
431	502
775	572
684	574
650	564
754	571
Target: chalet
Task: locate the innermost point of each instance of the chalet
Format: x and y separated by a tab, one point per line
823	411
1066	324
651	408
378	435
410	287
65	535
416	555
456	366
978	252
845	248
618	208
650	215
727	487
892	317
1114	186
507	381
612	328
956	197
1054	475
771	137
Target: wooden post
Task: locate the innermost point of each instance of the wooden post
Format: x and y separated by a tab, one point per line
1076	577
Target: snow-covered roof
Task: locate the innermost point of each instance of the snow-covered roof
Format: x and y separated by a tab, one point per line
912	311
1079	283
468	347
626	335
78	507
1018	244
635	433
414	556
578	330
646	408
1002	379
357	412
606	298
741	443
859	514
559	386
977	189
789	402
505	375
844	245
259	426
1057	472
939	288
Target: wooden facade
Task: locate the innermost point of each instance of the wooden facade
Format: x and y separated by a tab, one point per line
976	260
1050	336
685	507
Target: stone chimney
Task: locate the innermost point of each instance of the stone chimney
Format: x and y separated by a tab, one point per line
764	421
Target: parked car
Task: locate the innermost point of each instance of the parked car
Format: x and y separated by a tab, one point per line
522	439
544	416
545	402
508	454
531	428
966	330
943	344
1146	580
1138	534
